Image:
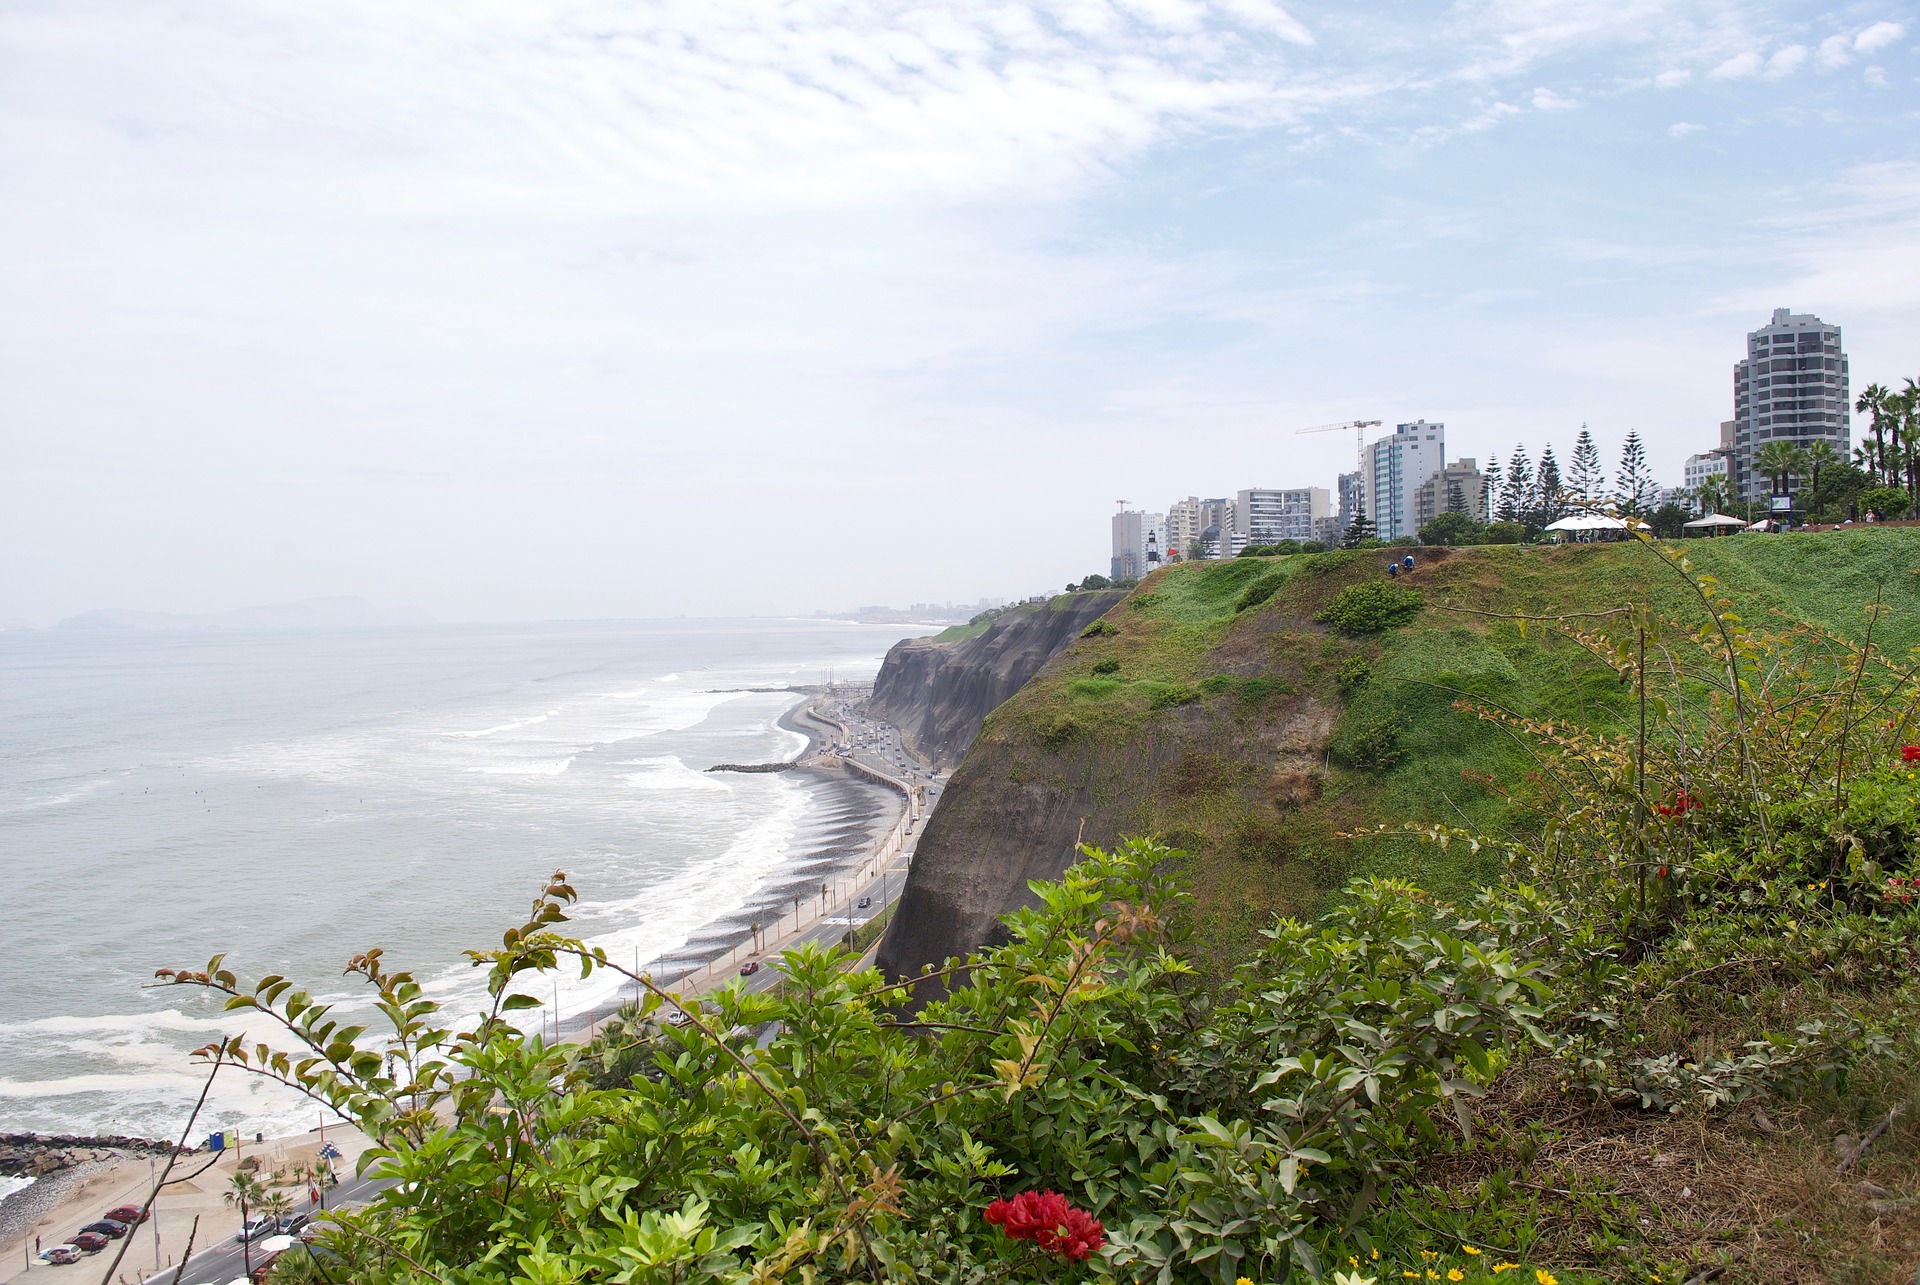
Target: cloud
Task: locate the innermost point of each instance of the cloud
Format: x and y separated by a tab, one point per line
1489	118
1876	76
1835	51
1739	65
1547	101
1879	36
1682	128
1269	17
1673	78
1786	61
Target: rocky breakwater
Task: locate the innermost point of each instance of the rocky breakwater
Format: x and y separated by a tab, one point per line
34	1155
938	693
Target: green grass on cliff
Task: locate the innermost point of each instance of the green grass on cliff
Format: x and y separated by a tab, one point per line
1214	713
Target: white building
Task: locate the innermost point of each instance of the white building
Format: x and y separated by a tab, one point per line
1397	467
1183	527
1139	543
1262	516
1793	386
1703	466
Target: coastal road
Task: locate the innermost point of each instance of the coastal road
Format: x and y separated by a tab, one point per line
227	1260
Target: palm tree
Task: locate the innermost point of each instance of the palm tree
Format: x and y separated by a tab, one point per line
1905	417
1779	459
1712	494
1874	400
245	1189
1819	455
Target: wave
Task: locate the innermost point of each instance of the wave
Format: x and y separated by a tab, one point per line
509	727
667	772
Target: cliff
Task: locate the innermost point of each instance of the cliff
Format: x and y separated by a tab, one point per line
1217	714
938	693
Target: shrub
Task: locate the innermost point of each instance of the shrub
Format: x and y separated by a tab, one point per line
1373	744
1370	607
1354	674
1260	590
1172	694
1101	628
1315	546
1092	688
1214	684
1107	666
1506	533
1059	730
1257	691
1886	501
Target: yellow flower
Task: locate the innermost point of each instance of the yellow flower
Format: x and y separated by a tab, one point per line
1428	1254
1468	1249
1432	1275
1455	1274
1353	1262
1376	1255
1544	1277
1505	1267
1244	1281
1411	1275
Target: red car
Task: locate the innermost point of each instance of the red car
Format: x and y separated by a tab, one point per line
91	1241
131	1215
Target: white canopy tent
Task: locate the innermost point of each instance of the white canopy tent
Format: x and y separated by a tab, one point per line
1587	522
1716	520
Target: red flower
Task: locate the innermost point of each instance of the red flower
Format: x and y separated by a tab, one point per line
1046	1219
1682	804
1910	753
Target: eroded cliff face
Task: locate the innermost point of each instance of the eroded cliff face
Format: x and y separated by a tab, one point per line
938	693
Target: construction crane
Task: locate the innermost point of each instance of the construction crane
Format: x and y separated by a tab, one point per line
1359	427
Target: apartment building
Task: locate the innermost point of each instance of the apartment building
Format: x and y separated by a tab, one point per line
1396	468
1792	386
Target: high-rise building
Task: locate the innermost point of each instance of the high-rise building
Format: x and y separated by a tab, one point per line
1183	528
1703	466
1459	485
1397	466
1791	386
1139	543
1353	496
1262	516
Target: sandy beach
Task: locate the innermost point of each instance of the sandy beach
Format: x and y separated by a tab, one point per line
60	1204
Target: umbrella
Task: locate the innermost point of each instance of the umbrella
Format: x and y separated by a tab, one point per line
1716	519
1587	522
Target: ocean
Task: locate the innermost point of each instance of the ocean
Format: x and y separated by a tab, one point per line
294	797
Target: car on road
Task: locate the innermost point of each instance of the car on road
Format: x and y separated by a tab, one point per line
865	902
255	1228
749	968
61	1254
107	1227
290	1224
131	1215
91	1241
678	1017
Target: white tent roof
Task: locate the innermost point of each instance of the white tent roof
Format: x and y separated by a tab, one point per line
275	1245
1758	526
1587	522
1717	519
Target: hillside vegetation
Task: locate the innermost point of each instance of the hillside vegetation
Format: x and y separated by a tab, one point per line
1213	711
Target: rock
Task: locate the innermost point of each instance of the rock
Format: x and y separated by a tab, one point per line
1874	1191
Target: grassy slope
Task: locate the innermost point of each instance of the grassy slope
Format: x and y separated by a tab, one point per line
1213	731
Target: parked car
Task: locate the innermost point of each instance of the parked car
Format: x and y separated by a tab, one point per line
61	1254
749	968
107	1227
91	1241
131	1215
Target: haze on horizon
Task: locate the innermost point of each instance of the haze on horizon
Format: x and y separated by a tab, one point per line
640	309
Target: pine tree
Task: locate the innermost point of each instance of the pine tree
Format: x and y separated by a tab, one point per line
1456	501
1550	504
1516	492
1586	476
1489	490
1361	529
1633	485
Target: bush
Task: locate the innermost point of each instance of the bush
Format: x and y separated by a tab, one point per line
1107	666
1101	628
1260	590
1886	501
1506	533
1373	744
1452	528
1257	691
1354	674
1060	730
1172	694
1370	607
1315	546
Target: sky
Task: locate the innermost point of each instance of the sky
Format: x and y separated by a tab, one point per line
520	310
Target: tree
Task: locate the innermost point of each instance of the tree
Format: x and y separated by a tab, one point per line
1885	501
1516	492
1819	455
1452	527
245	1189
1633	484
1669	521
1876	400
1586	476
1550	504
1456	501
1489	489
1779	459
1906	423
1361	529
1713	493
